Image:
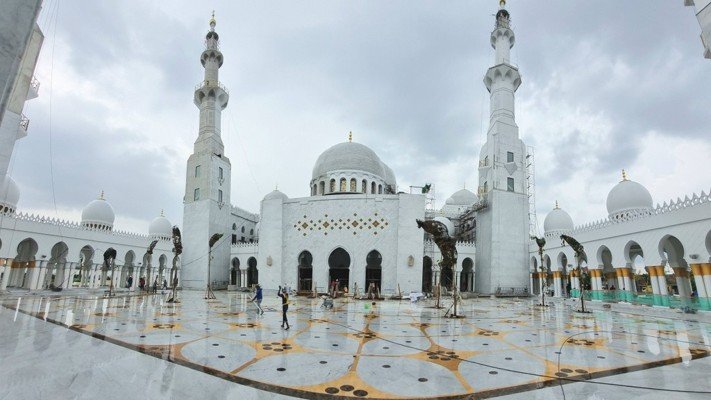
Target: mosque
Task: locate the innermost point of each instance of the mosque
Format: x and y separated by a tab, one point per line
356	226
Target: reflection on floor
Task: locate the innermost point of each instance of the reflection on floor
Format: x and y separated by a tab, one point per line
386	350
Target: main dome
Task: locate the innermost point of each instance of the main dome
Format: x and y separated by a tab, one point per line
349	156
462	197
98	214
628	197
9	195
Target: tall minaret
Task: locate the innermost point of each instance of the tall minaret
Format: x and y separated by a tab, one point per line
207	186
502	228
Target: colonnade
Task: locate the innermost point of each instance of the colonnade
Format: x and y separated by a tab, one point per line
41	274
625	287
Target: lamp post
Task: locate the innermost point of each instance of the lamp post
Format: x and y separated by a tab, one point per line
208	292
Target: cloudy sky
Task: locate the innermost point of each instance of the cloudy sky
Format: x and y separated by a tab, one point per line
606	85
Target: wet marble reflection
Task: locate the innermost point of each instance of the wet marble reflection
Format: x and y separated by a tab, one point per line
387	350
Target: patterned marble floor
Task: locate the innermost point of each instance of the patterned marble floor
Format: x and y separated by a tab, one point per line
387	350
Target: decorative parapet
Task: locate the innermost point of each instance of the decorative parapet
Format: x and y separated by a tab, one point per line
25	217
246	245
671	206
460	243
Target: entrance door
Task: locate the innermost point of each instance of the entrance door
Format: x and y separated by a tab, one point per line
338	263
373	269
306	272
252	272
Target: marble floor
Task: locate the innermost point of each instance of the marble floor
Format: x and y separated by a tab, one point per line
86	346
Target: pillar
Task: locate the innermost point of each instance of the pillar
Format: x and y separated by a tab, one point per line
705	273
624	290
69	274
557	282
683	284
6	273
41	275
32	275
59	278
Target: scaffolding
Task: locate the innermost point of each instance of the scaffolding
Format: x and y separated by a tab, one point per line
531	190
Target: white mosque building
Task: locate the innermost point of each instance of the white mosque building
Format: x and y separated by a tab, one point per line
355	226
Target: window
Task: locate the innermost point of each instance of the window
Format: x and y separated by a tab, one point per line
364	188
234	227
332	186
234	239
343	185
354	185
486	161
242	240
509	156
243	230
197	171
380	189
372	187
219	195
196	194
313	190
221	173
510	184
322	187
251	231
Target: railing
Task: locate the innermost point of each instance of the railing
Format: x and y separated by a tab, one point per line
213	84
24	122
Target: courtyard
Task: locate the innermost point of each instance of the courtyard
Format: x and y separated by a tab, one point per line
80	345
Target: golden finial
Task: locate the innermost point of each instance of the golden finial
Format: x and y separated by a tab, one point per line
502	3
624	175
465	184
556	205
350	136
101	195
213	22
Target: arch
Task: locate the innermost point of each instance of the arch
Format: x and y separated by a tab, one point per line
632	251
305	271
373	187
58	253
604	259
547	262
235	273
332	186
364	187
342	185
26	250
562	261
534	263
373	269
234	226
339	262
380	189
242	229
354	185
252	272
466	277
313	190
708	244
426	274
322	187
671	249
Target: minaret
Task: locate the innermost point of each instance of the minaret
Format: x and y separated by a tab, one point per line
207	187
502	228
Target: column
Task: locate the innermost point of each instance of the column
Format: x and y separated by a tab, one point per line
532	283
683	285
654	282
32	275
557	284
575	283
41	275
59	278
663	289
6	273
69	274
706	274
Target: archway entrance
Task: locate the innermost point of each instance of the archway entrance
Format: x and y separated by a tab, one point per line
235	273
466	279
252	272
306	272
426	274
373	269
338	263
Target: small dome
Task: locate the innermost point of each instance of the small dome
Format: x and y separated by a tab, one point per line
628	196
9	194
557	220
348	156
98	214
276	194
160	227
447	223
462	197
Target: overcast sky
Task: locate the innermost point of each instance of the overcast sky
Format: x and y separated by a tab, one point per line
606	85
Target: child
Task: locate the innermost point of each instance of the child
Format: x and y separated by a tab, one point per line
257	299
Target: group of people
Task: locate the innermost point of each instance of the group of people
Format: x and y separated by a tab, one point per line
142	284
283	293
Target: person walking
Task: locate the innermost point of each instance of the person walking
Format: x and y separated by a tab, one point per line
284	306
257	299
165	284
155	285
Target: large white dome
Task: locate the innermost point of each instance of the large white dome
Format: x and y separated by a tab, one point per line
276	194
349	156
557	220
98	214
160	227
628	197
9	194
462	197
